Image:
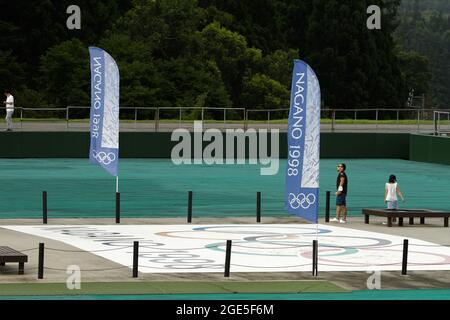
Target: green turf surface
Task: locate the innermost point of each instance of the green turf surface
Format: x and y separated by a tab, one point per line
158	188
169	287
423	294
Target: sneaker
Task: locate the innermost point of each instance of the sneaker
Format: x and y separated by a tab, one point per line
342	221
334	220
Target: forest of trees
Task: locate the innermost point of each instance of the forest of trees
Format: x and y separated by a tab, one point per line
227	53
424	33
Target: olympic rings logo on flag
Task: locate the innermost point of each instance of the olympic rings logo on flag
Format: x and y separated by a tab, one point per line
301	200
103	157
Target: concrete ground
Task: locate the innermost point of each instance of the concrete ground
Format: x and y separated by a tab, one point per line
98	269
150	126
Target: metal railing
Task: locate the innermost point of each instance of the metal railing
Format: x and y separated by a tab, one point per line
160	118
384	116
437	119
141	117
357	119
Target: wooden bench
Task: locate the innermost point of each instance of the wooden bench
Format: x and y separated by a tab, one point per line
405	213
8	254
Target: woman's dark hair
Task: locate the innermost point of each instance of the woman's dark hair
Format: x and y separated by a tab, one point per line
392	178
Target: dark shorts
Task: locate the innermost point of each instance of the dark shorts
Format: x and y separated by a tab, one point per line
340	200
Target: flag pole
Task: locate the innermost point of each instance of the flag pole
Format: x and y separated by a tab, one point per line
317	230
117	184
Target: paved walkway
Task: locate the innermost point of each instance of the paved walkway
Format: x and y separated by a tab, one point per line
168	127
112	272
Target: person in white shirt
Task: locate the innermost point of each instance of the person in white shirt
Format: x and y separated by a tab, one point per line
9	104
390	193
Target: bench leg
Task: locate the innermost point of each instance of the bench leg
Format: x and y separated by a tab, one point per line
422	220
21	267
2	264
446	222
366	219
400	222
389	222
411	221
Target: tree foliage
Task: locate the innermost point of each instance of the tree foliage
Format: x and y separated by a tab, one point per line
425	30
224	53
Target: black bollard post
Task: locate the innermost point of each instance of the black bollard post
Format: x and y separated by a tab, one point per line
315	256
327	207
135	258
189	211
258	207
44	207
405	257
41	261
117	207
227	259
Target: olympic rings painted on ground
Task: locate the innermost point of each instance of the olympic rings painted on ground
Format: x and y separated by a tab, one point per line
331	262
235	229
218	247
379	242
266	247
173	234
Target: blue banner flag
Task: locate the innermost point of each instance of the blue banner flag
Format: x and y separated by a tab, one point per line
104	119
302	171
